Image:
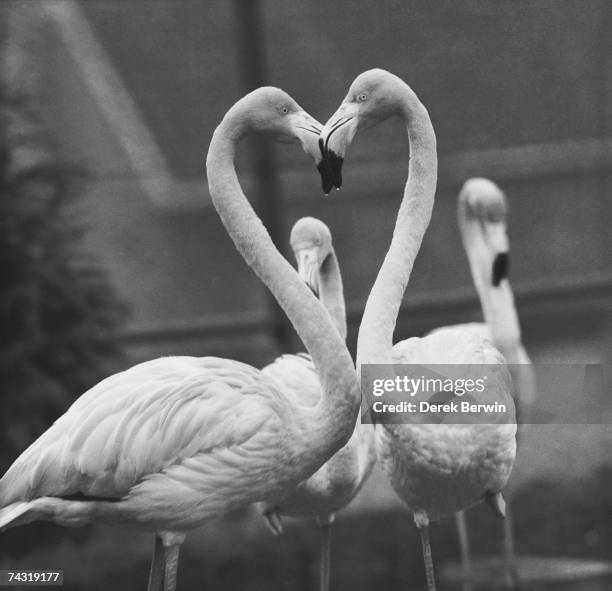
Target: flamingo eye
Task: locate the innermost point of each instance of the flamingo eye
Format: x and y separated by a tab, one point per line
362	97
284	109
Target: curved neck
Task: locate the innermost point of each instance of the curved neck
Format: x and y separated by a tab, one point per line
497	302
375	339
501	317
331	292
332	422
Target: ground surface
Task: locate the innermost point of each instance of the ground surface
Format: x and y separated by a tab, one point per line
371	550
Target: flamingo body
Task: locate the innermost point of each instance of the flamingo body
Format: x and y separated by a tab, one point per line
336	483
169	443
438	469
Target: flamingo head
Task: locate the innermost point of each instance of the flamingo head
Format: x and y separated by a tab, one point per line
374	96
482	211
311	243
272	111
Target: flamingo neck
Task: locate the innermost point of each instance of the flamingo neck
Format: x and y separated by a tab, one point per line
331	292
501	317
331	295
375	340
497	302
331	424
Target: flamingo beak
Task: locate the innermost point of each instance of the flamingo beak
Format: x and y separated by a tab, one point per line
326	174
497	238
335	138
307	130
308	268
501	265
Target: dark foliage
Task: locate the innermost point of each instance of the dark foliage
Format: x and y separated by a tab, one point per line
58	311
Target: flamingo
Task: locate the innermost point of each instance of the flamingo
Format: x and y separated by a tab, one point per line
338	481
172	443
481	212
439	469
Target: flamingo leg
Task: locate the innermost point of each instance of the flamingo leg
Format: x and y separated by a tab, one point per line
325	523
274	522
171	542
171	566
157	566
497	503
466	553
422	522
511	574
427	558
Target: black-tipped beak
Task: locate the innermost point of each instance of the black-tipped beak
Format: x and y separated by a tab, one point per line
307	131
326	180
335	137
334	165
501	266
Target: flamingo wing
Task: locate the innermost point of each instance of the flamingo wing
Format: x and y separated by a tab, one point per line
139	423
469	343
297	377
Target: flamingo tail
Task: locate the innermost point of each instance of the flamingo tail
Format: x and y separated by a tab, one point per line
14	514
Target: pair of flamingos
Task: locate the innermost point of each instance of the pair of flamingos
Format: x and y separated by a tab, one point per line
170	444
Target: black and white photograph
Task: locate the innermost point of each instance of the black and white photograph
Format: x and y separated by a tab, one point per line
306	296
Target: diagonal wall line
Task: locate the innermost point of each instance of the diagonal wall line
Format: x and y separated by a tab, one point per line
112	98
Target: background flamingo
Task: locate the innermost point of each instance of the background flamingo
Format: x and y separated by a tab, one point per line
482	211
436	470
172	443
335	484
